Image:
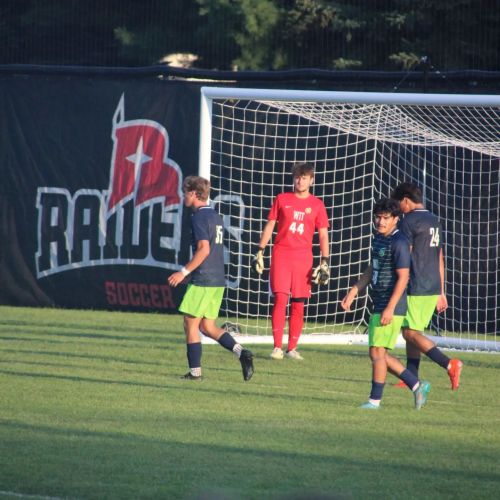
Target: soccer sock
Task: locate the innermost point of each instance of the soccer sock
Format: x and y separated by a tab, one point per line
227	341
194	358
278	318
438	357
409	378
295	323
376	392
413	365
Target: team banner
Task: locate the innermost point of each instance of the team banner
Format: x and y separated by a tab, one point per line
91	194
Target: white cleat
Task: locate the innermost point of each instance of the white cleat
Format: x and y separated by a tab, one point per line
294	355
277	353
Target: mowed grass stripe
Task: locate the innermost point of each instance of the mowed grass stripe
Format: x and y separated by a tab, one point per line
92	407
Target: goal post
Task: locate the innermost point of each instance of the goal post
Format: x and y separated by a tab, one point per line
362	146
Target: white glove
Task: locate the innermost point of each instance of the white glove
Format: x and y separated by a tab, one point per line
321	274
258	261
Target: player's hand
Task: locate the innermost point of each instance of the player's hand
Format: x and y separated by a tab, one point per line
258	261
176	278
349	299
321	274
386	316
442	303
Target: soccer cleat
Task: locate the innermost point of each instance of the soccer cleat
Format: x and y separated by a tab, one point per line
277	353
293	355
400	385
246	360
421	394
369	406
454	371
190	376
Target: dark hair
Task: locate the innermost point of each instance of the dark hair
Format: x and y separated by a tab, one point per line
300	169
387	206
408	190
197	184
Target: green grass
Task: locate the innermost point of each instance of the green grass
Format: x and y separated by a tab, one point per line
92	407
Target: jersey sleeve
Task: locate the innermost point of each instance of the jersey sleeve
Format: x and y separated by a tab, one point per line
200	227
322	217
401	252
405	228
273	213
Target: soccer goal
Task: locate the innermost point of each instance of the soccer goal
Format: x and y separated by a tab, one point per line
362	146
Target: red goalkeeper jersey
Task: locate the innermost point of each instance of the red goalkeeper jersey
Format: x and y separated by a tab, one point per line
297	219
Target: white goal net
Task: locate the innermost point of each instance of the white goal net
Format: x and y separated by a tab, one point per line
362	146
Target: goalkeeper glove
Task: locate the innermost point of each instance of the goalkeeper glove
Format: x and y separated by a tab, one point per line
258	261
321	274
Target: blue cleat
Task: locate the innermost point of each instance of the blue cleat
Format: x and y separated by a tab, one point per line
369	406
421	394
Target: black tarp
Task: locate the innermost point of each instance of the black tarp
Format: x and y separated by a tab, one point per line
72	235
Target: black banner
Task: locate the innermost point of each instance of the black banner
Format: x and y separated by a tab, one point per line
91	212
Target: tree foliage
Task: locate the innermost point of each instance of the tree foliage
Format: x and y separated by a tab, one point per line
254	34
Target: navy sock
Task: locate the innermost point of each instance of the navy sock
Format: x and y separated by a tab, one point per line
413	364
408	378
377	390
226	341
194	355
438	357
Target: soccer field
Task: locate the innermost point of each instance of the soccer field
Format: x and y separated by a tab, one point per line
92	407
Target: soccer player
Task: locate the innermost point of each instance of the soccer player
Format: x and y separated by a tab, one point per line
388	275
201	302
298	215
426	290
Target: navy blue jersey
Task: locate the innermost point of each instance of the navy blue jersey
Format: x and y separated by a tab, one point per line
388	254
206	224
424	233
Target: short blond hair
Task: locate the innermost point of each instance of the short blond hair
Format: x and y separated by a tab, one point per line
199	185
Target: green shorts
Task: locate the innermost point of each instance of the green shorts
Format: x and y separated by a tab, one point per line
384	336
420	311
202	301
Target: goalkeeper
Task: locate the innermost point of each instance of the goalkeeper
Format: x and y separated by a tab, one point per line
297	215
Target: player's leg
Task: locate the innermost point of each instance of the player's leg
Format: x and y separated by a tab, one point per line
280	275
378	338
190	307
278	320
295	324
193	347
412	359
300	292
419	388
385	337
206	302
420	311
379	374
226	340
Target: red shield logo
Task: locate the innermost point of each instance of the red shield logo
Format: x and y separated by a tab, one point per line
140	167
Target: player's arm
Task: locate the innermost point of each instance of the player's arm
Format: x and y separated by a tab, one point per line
360	285
402	277
267	233
442	303
324	245
201	253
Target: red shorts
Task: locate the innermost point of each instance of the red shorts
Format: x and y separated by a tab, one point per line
290	272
